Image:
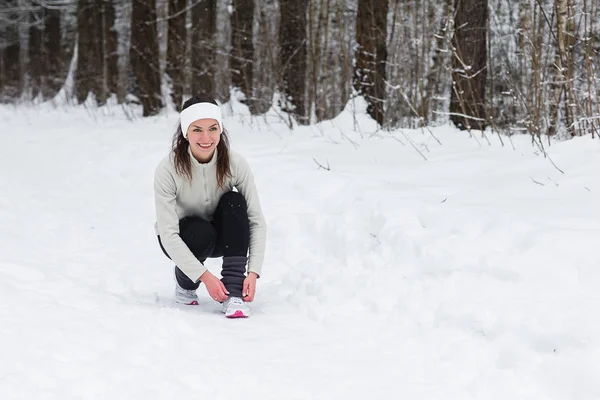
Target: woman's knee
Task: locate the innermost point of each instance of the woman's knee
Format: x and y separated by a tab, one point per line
233	199
198	234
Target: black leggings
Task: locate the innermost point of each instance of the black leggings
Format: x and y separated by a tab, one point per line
227	235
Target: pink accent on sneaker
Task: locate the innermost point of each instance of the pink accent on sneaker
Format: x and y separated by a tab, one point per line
193	303
237	314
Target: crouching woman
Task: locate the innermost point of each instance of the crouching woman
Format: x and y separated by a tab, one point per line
200	215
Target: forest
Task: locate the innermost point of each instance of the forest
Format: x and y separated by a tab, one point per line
515	67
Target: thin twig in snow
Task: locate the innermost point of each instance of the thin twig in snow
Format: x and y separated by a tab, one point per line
539	183
328	168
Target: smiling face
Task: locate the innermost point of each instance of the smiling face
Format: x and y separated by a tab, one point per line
204	136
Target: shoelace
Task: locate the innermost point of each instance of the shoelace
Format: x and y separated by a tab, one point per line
237	301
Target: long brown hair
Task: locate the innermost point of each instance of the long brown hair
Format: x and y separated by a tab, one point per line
180	145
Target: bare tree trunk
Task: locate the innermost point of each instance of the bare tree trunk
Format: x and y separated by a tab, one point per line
371	55
469	64
144	55
11	83
434	77
592	125
111	54
346	57
293	53
176	54
539	77
265	71
524	84
595	47
527	85
52	54
313	54
36	66
242	48
204	15
420	24
572	103
319	46
222	51
561	72
98	67
84	76
323	100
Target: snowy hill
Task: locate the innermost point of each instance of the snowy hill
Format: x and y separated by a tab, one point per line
410	269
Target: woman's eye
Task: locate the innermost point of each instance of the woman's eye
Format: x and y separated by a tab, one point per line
213	128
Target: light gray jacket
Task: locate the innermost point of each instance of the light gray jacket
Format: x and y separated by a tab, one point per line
175	198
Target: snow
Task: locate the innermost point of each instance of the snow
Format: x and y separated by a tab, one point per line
409	269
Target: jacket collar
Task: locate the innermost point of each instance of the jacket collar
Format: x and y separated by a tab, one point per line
197	164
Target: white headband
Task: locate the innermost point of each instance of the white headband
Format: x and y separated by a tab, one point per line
200	111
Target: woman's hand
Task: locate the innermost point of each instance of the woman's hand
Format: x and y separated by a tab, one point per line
249	288
214	287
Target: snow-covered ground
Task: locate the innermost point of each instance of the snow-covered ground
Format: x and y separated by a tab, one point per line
473	274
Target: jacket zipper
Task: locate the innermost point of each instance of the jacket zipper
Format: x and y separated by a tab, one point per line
205	186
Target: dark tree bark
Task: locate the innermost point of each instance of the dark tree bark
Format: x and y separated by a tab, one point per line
371	55
177	37
469	64
97	68
111	52
144	55
11	82
293	53
54	79
88	60
36	65
204	15
242	49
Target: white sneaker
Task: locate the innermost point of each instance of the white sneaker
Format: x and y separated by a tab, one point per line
183	296
235	307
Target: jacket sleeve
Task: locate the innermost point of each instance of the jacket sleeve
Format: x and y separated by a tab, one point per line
165	193
258	227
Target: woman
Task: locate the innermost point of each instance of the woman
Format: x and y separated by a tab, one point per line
199	215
